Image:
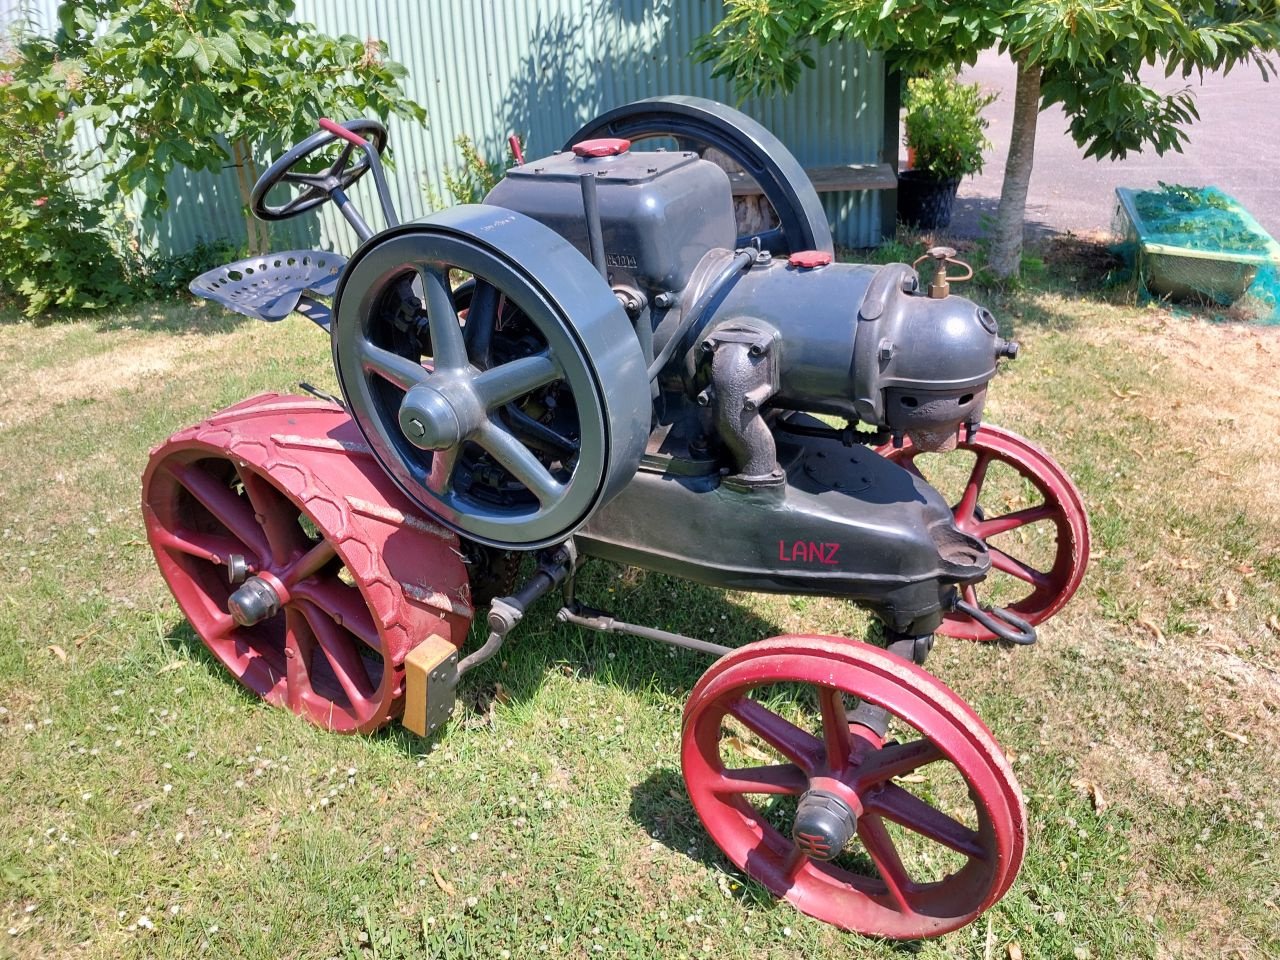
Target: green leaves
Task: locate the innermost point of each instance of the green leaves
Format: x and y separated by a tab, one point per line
945	126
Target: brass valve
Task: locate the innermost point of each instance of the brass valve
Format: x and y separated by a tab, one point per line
940	285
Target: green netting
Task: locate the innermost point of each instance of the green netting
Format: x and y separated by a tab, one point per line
1199	245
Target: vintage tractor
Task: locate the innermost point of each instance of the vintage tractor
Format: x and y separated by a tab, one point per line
595	363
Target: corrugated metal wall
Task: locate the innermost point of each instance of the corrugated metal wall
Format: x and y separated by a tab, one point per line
542	68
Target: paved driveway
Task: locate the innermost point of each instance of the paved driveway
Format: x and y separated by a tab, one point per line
1235	146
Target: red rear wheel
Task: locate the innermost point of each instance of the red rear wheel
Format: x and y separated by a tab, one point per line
256	487
1038	537
933	816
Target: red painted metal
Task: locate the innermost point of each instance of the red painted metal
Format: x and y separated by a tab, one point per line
342	133
1047	591
886	901
808	259
288	484
601	147
517	151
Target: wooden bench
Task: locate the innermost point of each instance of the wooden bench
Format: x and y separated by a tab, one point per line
830	179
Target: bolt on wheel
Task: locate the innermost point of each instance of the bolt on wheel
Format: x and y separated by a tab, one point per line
906	837
288	583
1013	496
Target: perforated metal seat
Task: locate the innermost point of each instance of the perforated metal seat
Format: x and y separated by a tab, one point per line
269	287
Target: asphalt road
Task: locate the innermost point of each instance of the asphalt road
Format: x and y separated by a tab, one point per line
1235	146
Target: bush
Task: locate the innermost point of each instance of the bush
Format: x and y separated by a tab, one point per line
58	251
944	125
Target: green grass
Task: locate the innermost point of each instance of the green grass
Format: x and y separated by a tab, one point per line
139	781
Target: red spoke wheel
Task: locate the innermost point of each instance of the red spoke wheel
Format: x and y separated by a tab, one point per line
911	837
284	490
1038	537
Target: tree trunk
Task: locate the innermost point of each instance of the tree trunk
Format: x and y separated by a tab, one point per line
1006	244
255	230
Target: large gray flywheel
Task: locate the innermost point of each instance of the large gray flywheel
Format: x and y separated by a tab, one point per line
493	372
701	125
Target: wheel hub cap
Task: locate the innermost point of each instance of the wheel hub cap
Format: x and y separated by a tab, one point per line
824	825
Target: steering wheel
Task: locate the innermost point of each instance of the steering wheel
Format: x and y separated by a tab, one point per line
317	187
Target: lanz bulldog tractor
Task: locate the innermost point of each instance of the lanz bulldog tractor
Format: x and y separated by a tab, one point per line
594	363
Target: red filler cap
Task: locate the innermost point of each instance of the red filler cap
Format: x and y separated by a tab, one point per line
808	259
603	147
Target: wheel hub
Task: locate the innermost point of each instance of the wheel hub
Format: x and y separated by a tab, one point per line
440	413
824	825
253	602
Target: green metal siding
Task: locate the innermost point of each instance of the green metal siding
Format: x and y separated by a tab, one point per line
542	68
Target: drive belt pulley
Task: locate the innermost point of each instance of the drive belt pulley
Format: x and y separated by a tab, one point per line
493	372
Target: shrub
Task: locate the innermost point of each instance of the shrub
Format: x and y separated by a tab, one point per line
58	251
945	126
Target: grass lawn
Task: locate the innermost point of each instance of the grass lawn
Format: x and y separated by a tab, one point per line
151	808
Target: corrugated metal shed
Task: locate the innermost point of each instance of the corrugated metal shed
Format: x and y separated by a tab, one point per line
542	68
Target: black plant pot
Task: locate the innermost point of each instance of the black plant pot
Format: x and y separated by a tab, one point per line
924	200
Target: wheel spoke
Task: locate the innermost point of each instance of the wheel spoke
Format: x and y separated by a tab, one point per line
306	196
482	317
967	507
908	810
299	644
275	514
802	749
344	606
342	655
1011	565
835	729
308	564
232	511
448	349
883	853
896	760
785	778
986	529
204	546
908	463
520	463
395	369
512	380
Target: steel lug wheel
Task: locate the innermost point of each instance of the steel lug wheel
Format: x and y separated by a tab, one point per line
702	125
904	838
1039	541
328	591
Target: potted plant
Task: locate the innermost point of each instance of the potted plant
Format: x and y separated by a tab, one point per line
945	135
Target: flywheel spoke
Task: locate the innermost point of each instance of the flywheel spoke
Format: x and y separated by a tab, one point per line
520	463
801	748
782	778
512	380
448	349
227	508
440	479
907	810
395	369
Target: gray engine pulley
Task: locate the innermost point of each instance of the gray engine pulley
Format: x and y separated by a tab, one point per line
493	372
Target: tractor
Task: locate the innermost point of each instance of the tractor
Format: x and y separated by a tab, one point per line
601	361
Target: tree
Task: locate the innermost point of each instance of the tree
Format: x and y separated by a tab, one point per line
199	84
1082	56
